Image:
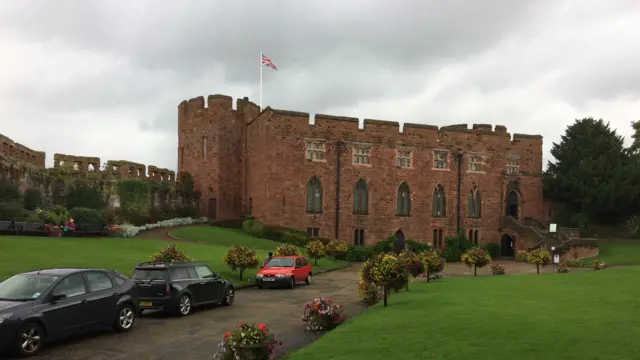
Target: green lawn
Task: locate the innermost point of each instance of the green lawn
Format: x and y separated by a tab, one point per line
589	315
214	235
619	252
22	253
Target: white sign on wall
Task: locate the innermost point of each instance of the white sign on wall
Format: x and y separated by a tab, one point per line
553	228
556	259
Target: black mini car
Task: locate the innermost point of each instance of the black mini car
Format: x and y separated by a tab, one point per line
177	287
43	305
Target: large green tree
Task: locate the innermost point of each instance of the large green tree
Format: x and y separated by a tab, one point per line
594	175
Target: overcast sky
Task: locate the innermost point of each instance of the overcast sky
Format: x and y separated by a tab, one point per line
104	78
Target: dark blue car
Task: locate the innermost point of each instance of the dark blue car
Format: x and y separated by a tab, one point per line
51	304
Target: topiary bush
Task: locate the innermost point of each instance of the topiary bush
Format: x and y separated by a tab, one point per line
382	270
241	258
253	227
433	263
295	237
315	250
87	216
170	254
476	257
539	257
287	250
336	248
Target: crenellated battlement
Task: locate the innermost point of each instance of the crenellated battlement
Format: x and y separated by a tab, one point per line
19	152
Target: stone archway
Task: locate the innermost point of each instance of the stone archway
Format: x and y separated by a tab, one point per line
400	242
507	246
512	204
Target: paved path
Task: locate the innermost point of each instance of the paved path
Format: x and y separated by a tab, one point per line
195	337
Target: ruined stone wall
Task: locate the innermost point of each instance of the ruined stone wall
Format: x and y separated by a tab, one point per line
274	171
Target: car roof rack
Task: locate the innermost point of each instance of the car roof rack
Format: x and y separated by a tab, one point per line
164	263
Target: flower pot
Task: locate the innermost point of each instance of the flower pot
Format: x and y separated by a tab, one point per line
251	352
53	233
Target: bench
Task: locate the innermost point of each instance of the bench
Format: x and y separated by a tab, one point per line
86	229
29	228
6	227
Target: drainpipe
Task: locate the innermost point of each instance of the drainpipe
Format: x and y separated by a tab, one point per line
459	156
339	149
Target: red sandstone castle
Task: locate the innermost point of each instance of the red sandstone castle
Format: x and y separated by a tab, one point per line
335	179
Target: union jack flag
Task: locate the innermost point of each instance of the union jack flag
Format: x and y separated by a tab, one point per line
267	62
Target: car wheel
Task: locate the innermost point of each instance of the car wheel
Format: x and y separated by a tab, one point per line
184	305
30	340
126	318
229	295
308	279
259	286
292	282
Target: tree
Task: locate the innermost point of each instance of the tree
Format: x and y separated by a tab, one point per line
594	175
315	249
476	257
432	263
381	271
287	250
539	257
336	248
241	258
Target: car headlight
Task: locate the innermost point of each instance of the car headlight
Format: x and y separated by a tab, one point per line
4	317
259	276
280	275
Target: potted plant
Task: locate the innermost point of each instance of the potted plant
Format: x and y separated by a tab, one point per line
52	230
247	342
114	230
322	314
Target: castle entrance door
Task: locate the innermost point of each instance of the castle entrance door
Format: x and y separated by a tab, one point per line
512	205
507	246
399	241
213	209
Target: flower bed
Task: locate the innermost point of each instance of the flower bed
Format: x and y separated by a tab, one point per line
247	342
114	230
52	230
369	293
322	314
129	231
497	269
563	269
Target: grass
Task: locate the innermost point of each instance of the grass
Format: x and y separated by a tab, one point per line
619	252
23	253
590	315
214	235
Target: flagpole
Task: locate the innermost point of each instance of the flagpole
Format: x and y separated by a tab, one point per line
261	67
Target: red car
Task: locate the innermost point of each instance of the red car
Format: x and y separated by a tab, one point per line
284	271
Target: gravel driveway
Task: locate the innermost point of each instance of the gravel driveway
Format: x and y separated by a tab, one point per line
157	337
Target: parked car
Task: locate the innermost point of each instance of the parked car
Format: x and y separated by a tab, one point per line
51	304
177	287
284	271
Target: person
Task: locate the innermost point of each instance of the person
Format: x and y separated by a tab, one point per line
267	259
69	226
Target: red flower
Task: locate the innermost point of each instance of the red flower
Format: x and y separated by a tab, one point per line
227	334
262	327
279	342
240	324
328	299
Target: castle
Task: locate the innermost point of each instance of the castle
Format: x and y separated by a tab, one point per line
334	179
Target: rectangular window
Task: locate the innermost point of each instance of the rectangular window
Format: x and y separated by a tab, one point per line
404	158
476	163
204	148
181	156
358	237
315	150
512	167
440	159
313	232
361	155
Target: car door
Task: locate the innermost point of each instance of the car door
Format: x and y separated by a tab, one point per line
102	297
185	278
306	267
70	313
208	283
298	270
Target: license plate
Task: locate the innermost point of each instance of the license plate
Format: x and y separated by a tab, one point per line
146	303
269	279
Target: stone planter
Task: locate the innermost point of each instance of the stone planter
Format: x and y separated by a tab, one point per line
251	352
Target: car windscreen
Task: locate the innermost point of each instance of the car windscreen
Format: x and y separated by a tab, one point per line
280	262
149	274
26	287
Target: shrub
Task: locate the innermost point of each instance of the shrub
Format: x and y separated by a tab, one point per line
13	211
247	342
382	271
170	254
85	197
573	263
287	250
369	293
253	227
385	246
563	269
633	225
114	230
540	257
411	263
432	262
322	314
497	269
455	246
54	215
9	192
522	256
87	216
229	224
315	250
295	237
336	248
493	249
32	199
476	257
274	233
241	258
417	247
358	253
599	265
